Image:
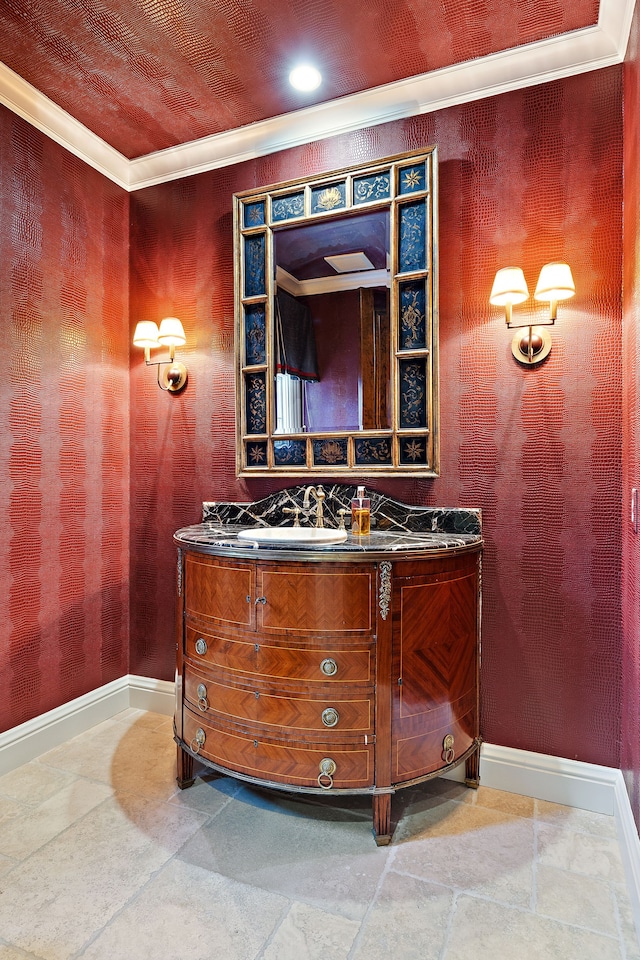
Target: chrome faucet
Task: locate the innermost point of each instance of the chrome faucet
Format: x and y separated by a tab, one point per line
319	495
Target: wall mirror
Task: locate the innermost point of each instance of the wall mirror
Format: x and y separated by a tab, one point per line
336	322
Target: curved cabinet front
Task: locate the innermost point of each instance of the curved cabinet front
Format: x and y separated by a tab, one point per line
331	675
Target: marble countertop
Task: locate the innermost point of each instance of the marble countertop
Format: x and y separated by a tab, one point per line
214	538
396	528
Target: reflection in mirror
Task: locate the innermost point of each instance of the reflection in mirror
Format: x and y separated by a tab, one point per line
332	325
336	322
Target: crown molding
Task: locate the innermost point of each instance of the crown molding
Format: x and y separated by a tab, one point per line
569	54
42	113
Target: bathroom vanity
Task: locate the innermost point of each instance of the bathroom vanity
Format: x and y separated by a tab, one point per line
347	667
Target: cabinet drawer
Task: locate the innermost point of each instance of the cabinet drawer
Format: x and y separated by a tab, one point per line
287	762
331	714
322	664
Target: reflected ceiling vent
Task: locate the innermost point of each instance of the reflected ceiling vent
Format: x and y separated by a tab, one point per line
349	262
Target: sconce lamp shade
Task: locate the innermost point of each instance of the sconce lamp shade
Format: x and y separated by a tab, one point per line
509	287
555	283
146	334
171	332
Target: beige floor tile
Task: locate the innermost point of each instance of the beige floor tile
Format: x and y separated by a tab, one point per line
187	912
583	820
469	848
627	925
32	783
511	803
6	864
561	846
128	757
315	854
209	794
143	718
21	836
310	934
7	952
491	931
574	898
10	809
65	892
408	919
88	755
126	866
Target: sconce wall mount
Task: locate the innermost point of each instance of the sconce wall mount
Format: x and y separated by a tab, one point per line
172	374
510	289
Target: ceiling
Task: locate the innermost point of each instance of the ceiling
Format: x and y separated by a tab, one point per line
128	83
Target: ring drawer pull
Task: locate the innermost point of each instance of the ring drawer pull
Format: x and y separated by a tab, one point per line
260	600
329	667
203	703
330	717
201	646
198	740
448	753
327	770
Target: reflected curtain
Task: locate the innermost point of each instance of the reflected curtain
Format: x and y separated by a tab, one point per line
295	338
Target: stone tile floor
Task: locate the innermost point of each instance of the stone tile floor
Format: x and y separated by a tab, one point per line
103	858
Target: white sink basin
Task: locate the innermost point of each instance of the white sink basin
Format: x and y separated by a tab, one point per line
311	536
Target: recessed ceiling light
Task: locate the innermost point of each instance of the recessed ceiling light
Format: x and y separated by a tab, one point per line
305	77
349	262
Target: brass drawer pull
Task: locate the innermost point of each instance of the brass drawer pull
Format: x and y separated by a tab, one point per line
448	753
330	717
203	703
201	646
327	770
198	740
329	667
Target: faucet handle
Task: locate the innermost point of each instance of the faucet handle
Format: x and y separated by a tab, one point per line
341	514
295	510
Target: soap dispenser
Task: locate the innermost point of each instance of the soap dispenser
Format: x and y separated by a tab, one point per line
360	514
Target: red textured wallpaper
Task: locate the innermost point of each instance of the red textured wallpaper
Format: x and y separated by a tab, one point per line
64	477
527	177
630	759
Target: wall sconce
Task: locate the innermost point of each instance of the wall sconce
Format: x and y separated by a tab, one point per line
510	288
173	376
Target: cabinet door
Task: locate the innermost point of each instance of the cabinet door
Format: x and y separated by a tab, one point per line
222	593
317	599
436	669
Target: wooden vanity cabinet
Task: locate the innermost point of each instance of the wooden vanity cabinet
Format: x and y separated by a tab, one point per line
328	676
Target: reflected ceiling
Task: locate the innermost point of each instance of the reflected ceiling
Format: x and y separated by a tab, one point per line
146	75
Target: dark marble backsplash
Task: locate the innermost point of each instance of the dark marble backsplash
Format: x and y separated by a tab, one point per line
387	514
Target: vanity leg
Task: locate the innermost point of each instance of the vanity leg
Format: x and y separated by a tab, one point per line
472	769
185	775
382	818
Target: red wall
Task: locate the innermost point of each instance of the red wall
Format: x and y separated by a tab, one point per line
64	477
630	752
525	178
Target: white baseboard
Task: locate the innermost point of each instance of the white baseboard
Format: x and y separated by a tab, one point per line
33	738
629	846
155	695
570	782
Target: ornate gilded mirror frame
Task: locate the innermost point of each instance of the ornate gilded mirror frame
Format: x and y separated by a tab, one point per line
406	187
